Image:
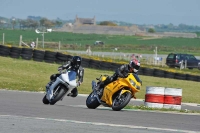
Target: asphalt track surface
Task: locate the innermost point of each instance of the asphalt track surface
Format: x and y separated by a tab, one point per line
24	112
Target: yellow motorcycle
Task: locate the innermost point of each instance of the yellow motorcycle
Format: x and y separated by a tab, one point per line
116	94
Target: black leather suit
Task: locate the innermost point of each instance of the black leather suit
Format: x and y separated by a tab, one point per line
122	71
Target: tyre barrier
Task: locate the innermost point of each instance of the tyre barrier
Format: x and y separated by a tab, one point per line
85	62
38	55
169	75
4	51
191	77
141	71
50	57
94	64
161	97
148	71
159	73
180	76
60	58
26	53
15	52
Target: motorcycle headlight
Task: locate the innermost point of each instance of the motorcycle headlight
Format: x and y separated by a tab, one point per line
132	82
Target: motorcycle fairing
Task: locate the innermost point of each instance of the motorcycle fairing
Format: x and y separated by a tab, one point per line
68	79
72	75
119	84
52	87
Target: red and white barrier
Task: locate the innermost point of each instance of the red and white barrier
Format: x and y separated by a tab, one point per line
172	99
161	97
154	97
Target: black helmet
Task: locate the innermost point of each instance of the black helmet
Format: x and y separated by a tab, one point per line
135	65
76	61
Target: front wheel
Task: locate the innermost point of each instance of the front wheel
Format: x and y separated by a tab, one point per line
120	102
58	95
91	101
45	100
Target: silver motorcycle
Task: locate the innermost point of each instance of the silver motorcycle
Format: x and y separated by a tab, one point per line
60	86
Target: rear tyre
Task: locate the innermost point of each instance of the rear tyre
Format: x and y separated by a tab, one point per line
120	102
45	100
92	102
58	95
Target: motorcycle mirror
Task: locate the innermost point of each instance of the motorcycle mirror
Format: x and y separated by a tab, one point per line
99	77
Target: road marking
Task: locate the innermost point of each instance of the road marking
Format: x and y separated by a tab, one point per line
101	124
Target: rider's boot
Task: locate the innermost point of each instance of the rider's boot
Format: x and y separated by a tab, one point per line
73	93
103	83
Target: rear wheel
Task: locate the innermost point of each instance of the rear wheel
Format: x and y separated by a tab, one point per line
91	101
120	102
58	95
45	100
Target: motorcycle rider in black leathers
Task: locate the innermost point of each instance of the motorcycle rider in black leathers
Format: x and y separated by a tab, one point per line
74	64
122	72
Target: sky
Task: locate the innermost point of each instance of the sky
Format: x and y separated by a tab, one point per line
131	11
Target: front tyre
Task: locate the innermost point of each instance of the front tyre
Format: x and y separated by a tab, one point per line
92	102
120	102
58	95
45	100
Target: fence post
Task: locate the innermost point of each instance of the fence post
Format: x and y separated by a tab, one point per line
36	42
59	45
185	63
3	38
181	65
20	40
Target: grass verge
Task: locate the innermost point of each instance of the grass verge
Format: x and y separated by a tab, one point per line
142	107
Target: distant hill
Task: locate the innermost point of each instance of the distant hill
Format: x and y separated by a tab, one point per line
158	28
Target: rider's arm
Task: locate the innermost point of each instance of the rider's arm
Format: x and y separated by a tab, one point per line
120	71
65	66
80	74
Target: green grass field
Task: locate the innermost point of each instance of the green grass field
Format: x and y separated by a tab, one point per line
132	44
28	75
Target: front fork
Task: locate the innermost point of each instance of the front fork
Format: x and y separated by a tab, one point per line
50	87
94	84
122	92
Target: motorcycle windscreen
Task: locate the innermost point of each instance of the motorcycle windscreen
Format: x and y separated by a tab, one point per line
72	75
70	78
136	77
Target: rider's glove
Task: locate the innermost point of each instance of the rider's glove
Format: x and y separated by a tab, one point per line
60	68
79	83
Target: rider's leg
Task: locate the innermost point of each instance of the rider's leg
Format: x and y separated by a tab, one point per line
52	79
54	76
108	80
